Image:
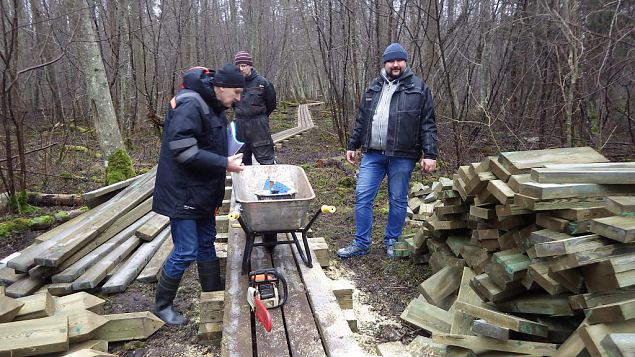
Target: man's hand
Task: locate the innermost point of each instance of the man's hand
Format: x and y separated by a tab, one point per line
235	163
350	156
428	165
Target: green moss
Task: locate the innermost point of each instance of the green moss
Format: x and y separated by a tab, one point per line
47	220
18	204
119	167
61	215
77	148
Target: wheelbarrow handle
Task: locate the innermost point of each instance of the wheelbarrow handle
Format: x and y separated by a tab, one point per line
328	209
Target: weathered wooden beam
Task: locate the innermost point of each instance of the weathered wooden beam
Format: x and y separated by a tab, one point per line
424	315
152	227
82	324
504	320
133	266
619	344
603	176
621	204
9	308
440	285
33	337
541	304
570	245
36	306
485	343
128	326
483	328
152	270
521	161
618	311
621	229
78	301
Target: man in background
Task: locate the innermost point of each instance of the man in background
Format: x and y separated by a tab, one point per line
252	119
395	127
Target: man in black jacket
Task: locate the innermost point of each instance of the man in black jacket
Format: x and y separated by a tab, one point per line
252	113
190	181
394	126
252	120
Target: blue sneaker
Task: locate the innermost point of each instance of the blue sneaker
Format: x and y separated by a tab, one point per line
352	250
390	246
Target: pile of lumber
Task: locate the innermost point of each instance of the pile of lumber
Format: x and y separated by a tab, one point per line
531	252
105	248
68	326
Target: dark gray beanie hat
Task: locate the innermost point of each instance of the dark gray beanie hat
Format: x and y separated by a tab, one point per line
395	51
229	76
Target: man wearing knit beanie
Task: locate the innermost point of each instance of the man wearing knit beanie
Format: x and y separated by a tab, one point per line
190	180
395	127
252	117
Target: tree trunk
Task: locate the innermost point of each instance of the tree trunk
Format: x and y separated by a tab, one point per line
98	91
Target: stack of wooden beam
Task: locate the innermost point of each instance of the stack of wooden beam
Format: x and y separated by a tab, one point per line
69	325
531	253
107	247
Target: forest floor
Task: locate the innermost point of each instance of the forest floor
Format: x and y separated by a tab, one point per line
384	286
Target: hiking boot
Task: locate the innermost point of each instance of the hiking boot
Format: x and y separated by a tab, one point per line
352	250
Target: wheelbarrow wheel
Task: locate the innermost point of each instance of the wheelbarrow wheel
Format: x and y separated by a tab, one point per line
269	241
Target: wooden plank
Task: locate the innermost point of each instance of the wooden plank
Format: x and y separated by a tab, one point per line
603	176
483	328
129	220
600	298
592	335
274	342
462	322
128	326
150	273
137	261
321	249
613	273
87	352
427	316
336	334
557	203
521	161
237	339
499	170
515	181
541	304
83	264
504	320
546	191
485	343
571	279
548	221
619	344
440	285
569	245
618	311
95	345
93	276
583	214
574	345
621	229
9	276
303	335
126	200
92	196
539	271
621	204
82	324
152	227
33	337
211	306
23	287
36	306
501	191
78	301
579	259
9	308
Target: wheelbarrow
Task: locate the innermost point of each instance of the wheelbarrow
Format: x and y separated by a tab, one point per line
259	215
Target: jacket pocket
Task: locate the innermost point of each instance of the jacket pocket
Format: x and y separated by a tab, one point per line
200	197
408	130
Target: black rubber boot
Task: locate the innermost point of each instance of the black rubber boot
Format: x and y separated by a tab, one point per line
209	275
269	241
166	291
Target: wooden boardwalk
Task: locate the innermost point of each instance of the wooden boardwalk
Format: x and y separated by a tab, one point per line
311	323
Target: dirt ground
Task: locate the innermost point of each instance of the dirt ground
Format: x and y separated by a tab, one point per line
384	286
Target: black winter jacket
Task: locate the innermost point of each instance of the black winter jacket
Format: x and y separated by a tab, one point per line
412	128
258	98
190	181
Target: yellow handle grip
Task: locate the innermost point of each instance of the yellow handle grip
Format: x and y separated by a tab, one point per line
234	215
328	209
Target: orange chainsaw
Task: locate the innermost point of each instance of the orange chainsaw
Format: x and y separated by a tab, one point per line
263	293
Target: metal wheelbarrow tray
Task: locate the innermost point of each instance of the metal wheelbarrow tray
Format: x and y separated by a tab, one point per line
258	217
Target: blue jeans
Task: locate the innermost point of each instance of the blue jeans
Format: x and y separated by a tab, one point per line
193	241
373	168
